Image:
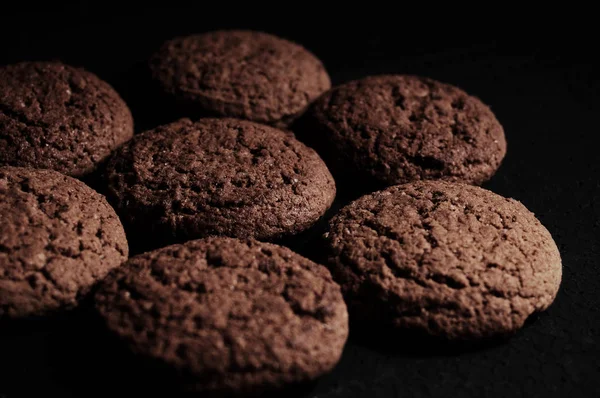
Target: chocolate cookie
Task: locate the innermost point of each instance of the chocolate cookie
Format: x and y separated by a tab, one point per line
386	130
229	315
445	259
57	238
242	74
54	116
230	177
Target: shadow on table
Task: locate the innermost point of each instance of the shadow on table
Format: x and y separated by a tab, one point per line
413	344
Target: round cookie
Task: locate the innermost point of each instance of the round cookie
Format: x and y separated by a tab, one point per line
241	74
393	129
230	315
57	238
229	177
54	116
445	259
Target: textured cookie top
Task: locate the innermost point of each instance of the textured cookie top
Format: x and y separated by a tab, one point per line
449	259
396	129
57	238
244	74
58	117
219	176
235	315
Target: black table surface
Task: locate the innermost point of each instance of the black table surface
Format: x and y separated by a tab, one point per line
542	88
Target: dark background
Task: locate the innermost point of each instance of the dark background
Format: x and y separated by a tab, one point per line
541	82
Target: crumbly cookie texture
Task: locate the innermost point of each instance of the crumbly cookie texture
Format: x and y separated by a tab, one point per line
394	129
54	116
57	238
242	74
446	259
229	177
230	315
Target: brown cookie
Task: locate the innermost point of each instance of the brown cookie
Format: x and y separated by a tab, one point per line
54	116
242	74
445	259
57	238
229	177
386	130
229	315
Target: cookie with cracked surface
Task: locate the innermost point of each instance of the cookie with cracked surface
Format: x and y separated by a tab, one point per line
242	74
446	259
188	180
229	315
54	116
394	129
57	238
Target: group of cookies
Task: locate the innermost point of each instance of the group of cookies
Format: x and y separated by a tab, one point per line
427	251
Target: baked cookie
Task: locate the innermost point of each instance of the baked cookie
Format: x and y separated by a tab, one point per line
445	259
57	238
229	315
242	74
54	116
229	177
386	130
